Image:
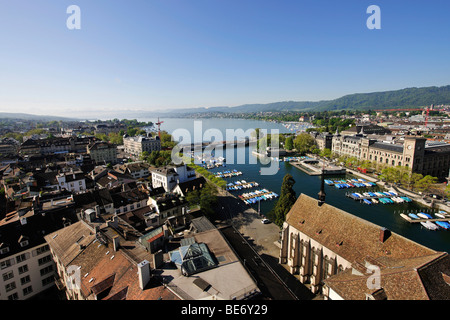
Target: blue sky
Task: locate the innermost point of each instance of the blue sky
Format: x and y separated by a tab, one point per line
153	55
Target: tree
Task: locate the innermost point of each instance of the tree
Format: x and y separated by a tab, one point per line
193	197
208	200
304	143
285	202
425	183
326	153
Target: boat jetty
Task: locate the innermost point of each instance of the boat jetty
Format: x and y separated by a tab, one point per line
350	183
375	197
258	195
435	221
228	173
242	184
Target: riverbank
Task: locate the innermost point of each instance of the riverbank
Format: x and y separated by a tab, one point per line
433	204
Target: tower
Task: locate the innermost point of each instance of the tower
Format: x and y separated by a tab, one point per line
322	194
413	153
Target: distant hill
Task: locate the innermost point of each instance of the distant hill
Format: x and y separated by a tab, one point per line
404	98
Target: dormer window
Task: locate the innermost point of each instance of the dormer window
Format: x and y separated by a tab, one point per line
4	248
23	241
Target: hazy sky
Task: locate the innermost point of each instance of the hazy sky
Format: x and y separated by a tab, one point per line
197	53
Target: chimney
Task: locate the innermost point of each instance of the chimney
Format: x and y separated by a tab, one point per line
384	234
113	222
90	215
116	243
158	259
144	273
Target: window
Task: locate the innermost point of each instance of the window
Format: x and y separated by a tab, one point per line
4	250
25	280
47	280
24	243
44	260
27	290
8	275
42	249
23	269
46	270
10	286
5	264
21	258
14	296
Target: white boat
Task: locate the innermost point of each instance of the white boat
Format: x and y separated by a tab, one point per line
420	214
404	216
440	215
429	225
374	200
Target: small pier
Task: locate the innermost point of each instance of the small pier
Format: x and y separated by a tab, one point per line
315	167
411	220
238	185
253	197
228	174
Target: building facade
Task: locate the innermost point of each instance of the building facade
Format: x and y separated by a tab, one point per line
169	177
416	153
102	152
26	265
135	146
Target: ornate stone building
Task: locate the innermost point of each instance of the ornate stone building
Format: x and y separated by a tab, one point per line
135	146
422	156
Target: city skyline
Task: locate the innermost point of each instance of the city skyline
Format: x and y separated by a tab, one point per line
162	55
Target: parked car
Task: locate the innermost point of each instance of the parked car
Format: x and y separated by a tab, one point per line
265	221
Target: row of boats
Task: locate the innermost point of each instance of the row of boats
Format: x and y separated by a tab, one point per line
228	173
291	159
258	195
435	225
386	197
351	183
238	185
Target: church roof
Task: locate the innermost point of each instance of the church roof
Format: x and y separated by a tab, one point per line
401	261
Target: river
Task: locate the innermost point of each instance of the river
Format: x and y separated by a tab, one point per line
387	216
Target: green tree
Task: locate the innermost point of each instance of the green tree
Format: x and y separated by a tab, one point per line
304	143
193	198
208	200
285	201
326	153
425	183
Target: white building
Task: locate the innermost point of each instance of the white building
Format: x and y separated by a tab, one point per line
72	181
169	177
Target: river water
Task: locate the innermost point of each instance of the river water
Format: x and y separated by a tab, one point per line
387	216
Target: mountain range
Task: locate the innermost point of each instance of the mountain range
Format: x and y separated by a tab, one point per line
404	98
